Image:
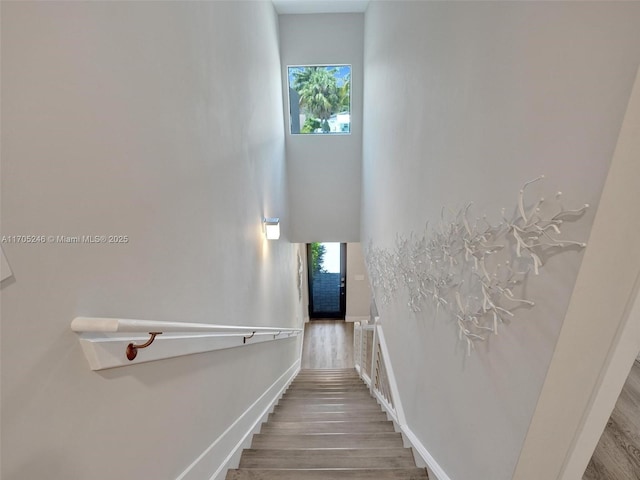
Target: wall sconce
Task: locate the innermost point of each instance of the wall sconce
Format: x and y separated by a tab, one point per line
272	228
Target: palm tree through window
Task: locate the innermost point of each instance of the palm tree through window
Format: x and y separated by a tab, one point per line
320	99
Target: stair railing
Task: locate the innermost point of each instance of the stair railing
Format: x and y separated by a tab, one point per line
372	363
116	342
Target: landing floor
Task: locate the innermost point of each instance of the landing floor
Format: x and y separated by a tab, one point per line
328	344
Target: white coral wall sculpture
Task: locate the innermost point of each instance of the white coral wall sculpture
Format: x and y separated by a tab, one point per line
470	268
299	276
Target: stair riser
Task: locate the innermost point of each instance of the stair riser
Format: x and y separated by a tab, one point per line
327	400
330	454
328	371
321	385
344	392
382	463
328	380
319	408
358	474
319	373
324	388
318	386
374	416
284	428
382	440
320	396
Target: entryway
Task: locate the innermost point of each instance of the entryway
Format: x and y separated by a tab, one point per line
327	280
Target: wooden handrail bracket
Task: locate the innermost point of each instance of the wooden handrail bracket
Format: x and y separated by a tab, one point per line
132	349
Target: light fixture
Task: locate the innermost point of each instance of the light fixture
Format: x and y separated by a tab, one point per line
272	228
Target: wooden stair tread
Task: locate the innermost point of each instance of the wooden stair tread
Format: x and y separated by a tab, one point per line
324	407
327	426
315	386
337	458
327	440
328	388
328	391
301	416
324	400
328	474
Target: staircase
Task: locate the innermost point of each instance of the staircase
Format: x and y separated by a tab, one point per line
327	427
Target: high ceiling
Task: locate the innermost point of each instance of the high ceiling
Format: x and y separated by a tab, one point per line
320	6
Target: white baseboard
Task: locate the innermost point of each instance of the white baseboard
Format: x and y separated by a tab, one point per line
421	454
395	413
434	468
224	453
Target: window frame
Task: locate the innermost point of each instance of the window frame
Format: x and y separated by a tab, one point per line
328	134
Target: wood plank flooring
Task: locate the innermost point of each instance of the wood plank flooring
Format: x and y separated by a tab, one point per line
327	427
328	344
617	456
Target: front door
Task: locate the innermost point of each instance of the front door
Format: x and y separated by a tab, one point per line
327	279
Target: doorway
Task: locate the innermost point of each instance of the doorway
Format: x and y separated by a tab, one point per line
327	280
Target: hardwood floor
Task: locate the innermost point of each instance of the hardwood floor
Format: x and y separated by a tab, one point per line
328	344
617	456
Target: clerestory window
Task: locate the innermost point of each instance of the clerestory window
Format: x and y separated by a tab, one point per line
320	99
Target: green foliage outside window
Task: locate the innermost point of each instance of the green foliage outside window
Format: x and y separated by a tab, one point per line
317	257
324	97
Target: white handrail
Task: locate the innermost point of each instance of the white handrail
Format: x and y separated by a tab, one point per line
115	342
127	325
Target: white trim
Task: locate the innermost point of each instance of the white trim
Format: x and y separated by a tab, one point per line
119	325
606	394
434	468
104	342
396	412
106	351
432	465
224	453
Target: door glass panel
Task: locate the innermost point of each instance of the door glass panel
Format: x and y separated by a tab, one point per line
327	280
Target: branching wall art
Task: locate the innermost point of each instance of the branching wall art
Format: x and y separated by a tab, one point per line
299	276
470	269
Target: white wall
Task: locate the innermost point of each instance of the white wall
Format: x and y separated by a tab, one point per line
358	288
324	172
464	102
593	358
161	121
